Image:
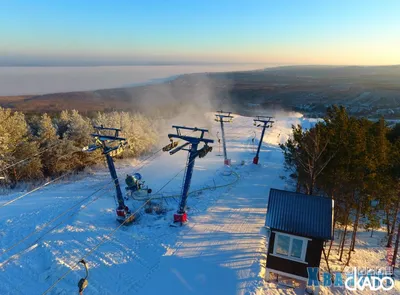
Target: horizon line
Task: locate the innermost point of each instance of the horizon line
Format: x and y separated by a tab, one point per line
127	64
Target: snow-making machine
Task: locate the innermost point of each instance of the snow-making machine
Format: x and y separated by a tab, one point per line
112	145
136	187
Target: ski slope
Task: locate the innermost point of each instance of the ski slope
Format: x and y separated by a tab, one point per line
220	250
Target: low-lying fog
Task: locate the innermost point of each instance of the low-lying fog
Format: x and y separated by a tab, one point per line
41	80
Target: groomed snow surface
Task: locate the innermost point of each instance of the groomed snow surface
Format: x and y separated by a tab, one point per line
220	251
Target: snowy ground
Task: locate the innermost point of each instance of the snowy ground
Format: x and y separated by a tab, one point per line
220	251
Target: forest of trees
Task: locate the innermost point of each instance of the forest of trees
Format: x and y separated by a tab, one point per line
53	145
356	162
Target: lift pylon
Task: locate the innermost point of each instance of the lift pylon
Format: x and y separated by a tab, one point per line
111	145
181	216
224	117
219	144
264	122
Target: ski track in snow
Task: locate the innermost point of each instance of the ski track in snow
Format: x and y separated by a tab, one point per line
220	250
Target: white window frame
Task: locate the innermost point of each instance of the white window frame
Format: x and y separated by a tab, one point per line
302	259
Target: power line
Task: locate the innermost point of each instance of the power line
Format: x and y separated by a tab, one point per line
237	177
105	239
53	228
84	207
144	160
63	213
36	189
55	179
69	209
54	219
29	158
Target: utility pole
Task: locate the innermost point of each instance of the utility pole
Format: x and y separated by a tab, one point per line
224	117
181	216
263	122
103	142
219	144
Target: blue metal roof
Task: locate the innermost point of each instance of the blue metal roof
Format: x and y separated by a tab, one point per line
300	214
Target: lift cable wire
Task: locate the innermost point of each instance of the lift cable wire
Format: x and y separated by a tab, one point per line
28	159
63	175
74	213
17	255
237	177
143	163
61	214
36	189
107	238
54	219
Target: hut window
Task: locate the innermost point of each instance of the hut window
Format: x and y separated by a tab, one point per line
290	247
282	245
297	248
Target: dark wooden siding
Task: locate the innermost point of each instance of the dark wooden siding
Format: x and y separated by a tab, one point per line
313	258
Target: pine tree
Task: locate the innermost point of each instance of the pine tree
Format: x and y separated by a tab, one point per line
76	129
49	141
16	146
365	167
373	221
30	169
136	128
57	156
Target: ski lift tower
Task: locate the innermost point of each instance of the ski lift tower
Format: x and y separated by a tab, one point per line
263	122
224	117
181	216
107	144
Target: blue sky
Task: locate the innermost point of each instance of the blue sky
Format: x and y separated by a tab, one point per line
280	31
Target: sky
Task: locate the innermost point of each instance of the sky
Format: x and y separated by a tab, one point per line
118	32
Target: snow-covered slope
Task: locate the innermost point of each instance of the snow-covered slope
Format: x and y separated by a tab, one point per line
220	251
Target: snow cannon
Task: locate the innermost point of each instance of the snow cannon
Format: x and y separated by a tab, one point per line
137	176
136	187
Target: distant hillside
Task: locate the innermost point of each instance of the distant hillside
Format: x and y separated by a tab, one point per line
368	91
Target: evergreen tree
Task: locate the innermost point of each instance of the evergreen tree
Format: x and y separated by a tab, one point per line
365	167
16	146
76	129
49	143
57	156
373	221
136	128
30	169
